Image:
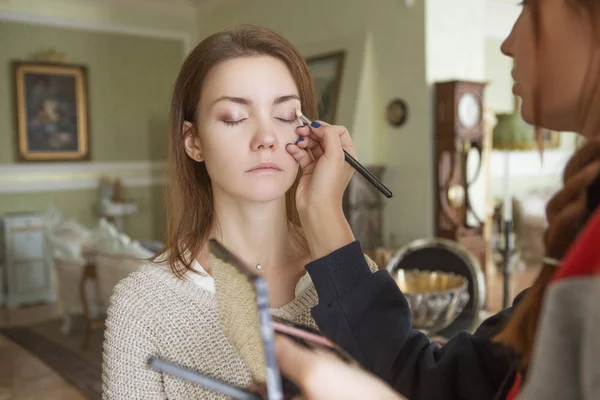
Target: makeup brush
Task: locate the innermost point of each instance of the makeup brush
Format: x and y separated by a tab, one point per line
352	161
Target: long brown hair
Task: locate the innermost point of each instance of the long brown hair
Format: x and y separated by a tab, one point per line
188	194
564	211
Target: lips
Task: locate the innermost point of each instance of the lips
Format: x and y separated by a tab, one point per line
265	166
516	85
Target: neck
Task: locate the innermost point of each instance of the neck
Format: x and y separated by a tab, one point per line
258	233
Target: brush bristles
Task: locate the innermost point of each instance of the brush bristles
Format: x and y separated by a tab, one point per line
303	117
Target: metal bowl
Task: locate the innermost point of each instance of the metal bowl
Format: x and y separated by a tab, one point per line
436	298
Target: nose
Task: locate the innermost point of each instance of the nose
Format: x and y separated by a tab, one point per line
508	44
505	47
265	137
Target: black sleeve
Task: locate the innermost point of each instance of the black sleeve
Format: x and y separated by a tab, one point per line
367	315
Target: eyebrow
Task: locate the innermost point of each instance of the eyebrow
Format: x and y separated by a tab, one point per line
245	101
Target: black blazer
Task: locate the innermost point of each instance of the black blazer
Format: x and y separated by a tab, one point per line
367	315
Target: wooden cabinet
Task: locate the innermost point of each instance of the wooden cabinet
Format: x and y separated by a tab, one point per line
459	135
25	264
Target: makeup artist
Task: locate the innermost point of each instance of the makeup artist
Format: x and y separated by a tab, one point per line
367	315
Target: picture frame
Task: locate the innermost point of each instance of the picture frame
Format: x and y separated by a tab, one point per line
326	70
550	139
51	111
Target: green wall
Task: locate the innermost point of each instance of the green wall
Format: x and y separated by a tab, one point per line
129	81
129	84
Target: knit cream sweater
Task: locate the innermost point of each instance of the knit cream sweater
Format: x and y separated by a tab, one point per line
152	312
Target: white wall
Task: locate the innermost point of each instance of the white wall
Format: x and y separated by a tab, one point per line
498	93
500	16
455	40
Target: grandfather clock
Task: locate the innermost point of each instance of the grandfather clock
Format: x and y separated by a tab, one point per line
459	132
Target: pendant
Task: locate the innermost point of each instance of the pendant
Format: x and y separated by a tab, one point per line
258	267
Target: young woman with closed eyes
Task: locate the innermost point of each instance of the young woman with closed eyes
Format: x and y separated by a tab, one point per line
233	177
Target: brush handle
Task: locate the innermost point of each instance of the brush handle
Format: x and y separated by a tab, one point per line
352	161
211	383
367	175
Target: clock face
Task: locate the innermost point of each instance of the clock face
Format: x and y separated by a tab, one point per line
397	111
469	110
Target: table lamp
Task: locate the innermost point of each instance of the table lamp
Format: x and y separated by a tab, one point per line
510	134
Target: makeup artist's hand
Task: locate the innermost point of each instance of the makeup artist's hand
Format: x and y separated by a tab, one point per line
321	376
325	176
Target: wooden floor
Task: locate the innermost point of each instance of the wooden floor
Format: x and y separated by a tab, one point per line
23	376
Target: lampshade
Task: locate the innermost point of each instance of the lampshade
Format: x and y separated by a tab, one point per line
511	133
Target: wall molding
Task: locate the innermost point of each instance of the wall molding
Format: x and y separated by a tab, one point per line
52	177
184	37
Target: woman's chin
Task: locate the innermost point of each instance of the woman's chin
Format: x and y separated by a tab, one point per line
264	193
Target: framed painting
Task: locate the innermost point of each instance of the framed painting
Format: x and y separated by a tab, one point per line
550	139
51	107
326	71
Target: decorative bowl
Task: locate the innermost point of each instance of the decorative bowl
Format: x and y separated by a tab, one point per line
436	298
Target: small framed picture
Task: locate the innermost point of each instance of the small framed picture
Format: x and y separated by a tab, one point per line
326	71
51	106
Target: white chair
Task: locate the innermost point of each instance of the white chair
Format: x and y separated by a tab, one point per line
64	240
111	257
117	255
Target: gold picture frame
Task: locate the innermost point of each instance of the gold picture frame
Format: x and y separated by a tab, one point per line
326	71
550	139
51	108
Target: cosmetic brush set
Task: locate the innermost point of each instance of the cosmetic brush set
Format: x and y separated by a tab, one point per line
352	161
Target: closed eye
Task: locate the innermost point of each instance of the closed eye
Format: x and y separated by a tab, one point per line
289	121
233	123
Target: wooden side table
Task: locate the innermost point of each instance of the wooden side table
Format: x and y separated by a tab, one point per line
90	323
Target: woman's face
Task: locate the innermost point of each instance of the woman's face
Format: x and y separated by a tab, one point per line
561	67
246	118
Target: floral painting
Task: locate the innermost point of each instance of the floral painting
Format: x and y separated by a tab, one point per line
51	108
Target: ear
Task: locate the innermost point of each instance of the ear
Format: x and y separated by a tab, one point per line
191	142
